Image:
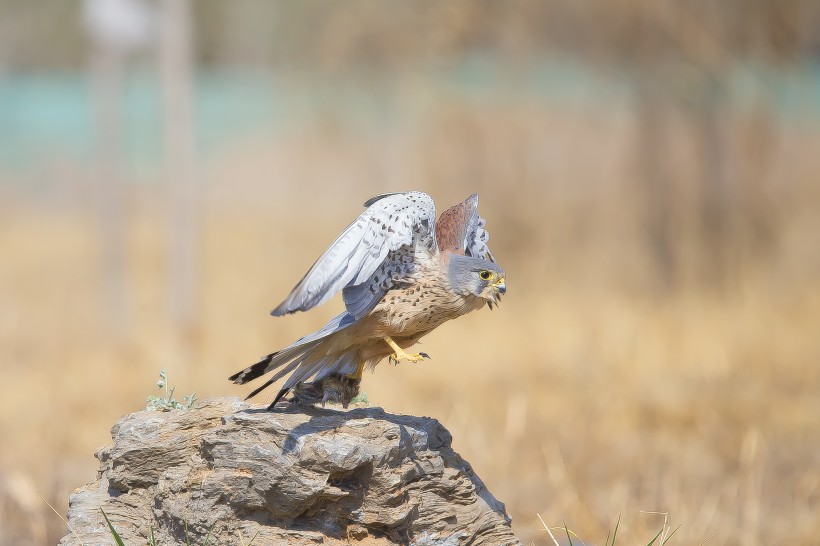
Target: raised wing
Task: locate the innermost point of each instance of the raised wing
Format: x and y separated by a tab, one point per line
460	229
393	226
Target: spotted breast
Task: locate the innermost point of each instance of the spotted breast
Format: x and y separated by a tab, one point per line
422	307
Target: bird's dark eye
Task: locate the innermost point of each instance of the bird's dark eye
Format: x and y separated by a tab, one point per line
485	275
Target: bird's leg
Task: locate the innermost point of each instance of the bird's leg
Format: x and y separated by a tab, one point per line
357	375
399	353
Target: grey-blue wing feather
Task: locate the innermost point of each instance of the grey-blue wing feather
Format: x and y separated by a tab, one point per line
475	234
391	222
477	245
393	272
339	322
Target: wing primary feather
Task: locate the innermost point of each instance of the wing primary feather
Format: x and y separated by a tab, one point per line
379	198
390	221
279	396
305	294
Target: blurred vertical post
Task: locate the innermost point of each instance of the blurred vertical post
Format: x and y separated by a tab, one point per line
717	195
106	69
176	69
116	28
658	199
656	187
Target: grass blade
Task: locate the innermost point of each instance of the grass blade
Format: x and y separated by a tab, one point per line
242	540
208	536
113	531
548	530
670	535
566	530
651	542
59	515
615	533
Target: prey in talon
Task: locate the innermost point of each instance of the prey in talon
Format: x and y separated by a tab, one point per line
402	273
333	388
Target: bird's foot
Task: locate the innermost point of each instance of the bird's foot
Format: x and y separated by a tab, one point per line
400	355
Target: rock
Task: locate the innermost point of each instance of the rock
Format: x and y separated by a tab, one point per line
307	476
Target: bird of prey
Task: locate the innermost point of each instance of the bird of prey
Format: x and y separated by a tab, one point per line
401	274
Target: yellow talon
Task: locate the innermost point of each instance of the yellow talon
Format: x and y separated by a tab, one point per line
400	355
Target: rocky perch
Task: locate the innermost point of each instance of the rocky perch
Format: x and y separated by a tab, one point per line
229	471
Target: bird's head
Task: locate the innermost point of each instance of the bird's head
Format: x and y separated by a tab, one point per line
476	277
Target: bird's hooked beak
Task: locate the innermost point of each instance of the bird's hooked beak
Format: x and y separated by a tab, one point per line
500	289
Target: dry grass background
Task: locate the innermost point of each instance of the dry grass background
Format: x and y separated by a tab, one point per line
589	394
654	354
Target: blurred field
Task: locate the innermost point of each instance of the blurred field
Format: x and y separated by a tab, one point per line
657	351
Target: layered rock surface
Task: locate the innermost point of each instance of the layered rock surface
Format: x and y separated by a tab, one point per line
230	471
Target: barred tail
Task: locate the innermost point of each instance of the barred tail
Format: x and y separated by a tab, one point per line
305	358
288	359
267	364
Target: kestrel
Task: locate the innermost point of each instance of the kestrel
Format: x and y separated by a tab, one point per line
401	274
